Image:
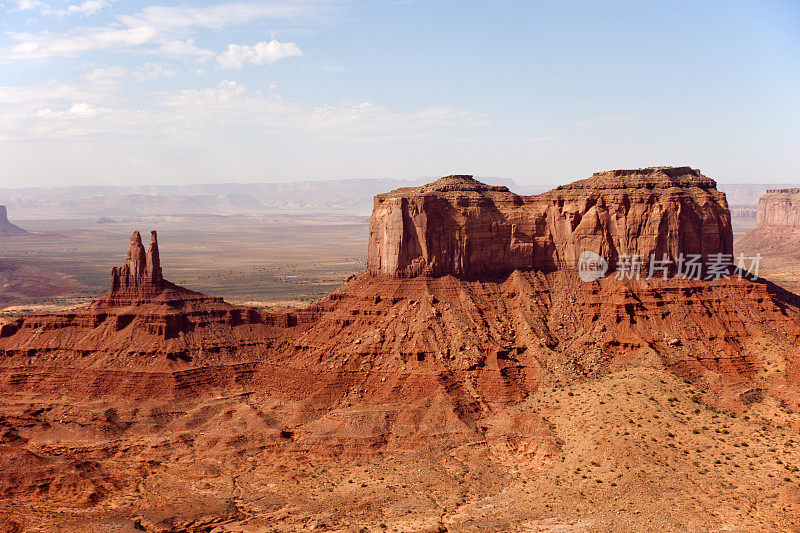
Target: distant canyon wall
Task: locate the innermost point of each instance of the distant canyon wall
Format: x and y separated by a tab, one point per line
780	207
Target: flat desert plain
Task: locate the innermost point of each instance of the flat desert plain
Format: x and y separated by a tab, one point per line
261	260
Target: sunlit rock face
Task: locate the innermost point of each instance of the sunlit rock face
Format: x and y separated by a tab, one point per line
780	207
141	273
468	229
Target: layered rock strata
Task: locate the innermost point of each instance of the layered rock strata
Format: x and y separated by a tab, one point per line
155	392
780	207
460	226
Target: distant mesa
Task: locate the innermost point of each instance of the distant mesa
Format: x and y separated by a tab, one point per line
777	229
465	228
8	229
780	207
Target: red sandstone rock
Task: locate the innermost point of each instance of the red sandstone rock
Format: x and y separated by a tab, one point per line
387	365
780	207
141	273
776	238
776	235
460	226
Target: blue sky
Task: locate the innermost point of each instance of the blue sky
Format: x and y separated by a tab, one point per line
103	91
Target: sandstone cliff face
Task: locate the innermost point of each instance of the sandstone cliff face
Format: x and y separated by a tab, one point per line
462	227
776	237
780	207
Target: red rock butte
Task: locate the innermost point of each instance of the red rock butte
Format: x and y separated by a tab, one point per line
780	208
463	227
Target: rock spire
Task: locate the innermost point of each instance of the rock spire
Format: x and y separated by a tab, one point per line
141	273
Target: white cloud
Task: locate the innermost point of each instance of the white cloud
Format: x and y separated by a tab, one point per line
107	77
170	18
78	110
154	70
230	103
26	5
49	45
87	7
34	96
228	107
263	52
166	27
184	48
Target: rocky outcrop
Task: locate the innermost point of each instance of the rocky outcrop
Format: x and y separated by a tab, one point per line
8	229
146	315
780	207
141	273
462	227
776	237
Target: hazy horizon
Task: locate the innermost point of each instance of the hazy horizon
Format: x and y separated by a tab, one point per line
541	184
